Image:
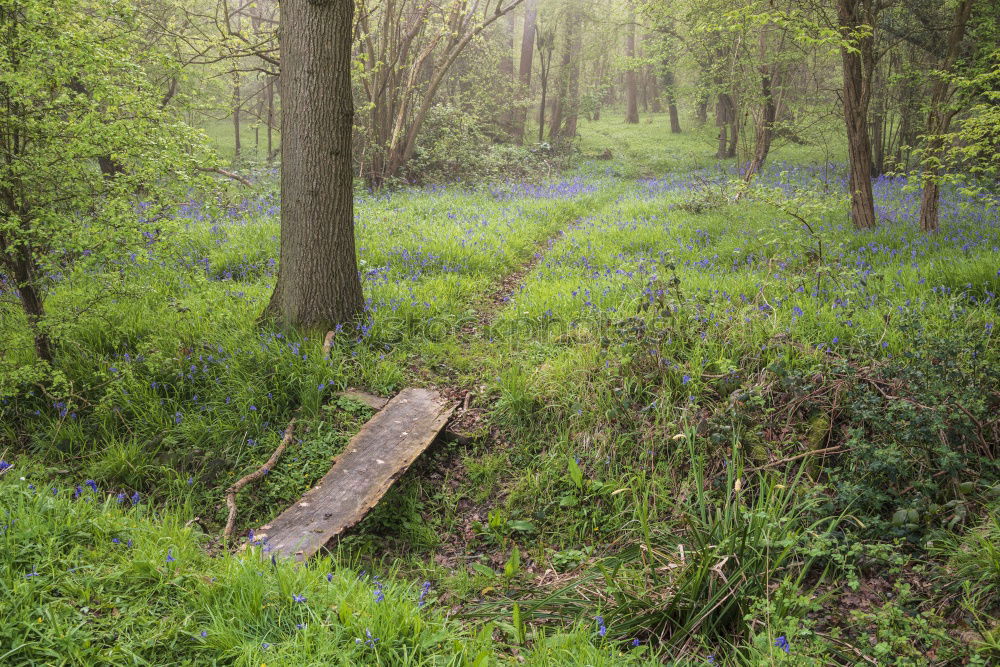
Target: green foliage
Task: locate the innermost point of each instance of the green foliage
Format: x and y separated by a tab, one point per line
76	104
454	147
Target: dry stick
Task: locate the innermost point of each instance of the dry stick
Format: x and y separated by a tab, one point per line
227	174
328	343
234	489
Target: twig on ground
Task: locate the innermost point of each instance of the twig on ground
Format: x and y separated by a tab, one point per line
257	474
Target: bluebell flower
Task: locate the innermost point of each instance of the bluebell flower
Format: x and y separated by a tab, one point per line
423	594
298	598
77	492
5	466
329	576
636	642
33	573
782	643
135	498
170	555
265	646
685	379
370	642
92	484
300	626
601	629
120	498
204	633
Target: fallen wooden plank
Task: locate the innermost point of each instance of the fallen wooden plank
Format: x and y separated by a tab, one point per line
371	400
378	455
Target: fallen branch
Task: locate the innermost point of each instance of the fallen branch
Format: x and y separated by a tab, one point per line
257	474
227	174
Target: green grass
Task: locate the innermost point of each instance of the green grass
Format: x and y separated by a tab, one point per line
652	400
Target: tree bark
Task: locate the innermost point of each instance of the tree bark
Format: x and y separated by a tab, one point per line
524	70
858	63
631	94
318	285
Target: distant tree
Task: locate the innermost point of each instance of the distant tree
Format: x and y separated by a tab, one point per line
405	53
631	87
318	285
546	42
82	133
525	66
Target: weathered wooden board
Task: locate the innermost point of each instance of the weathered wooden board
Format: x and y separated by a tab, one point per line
371	400
378	455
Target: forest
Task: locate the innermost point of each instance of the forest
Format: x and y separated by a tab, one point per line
495	332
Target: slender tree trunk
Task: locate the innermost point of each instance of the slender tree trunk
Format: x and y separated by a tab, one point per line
21	265
270	119
558	100
524	70
938	122
631	100
668	84
508	118
734	132
541	110
765	128
572	111
318	285
725	117
701	111
857	93
237	102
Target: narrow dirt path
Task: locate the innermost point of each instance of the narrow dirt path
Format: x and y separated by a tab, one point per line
509	285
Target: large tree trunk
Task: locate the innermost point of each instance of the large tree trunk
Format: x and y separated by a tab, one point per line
318	285
524	70
631	94
857	64
938	122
